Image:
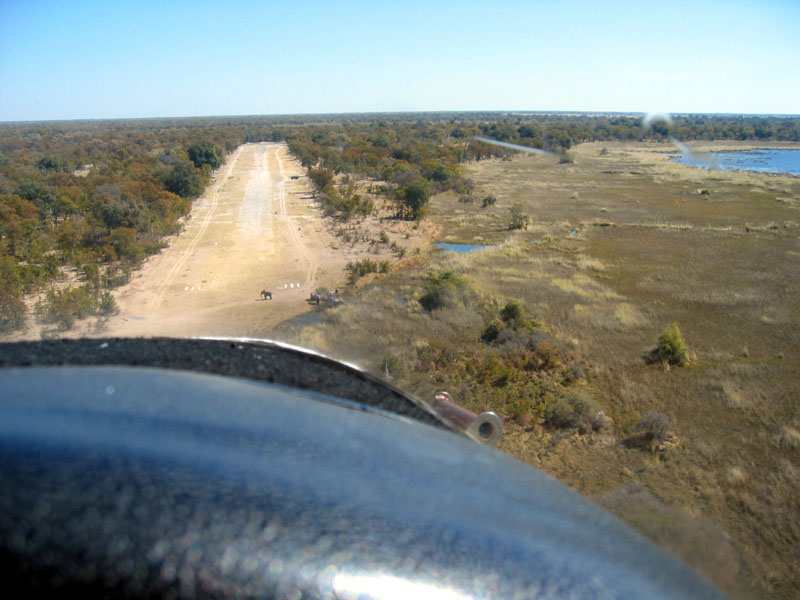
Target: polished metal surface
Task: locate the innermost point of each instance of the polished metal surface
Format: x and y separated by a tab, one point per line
150	482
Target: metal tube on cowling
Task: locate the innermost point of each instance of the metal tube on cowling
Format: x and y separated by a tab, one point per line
485	428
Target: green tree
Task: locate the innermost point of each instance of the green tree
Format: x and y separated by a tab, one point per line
43	197
91	275
10	276
117	209
512	311
123	239
49	163
68	237
18	218
436	171
415	196
205	153
321	178
670	348
447	289
184	180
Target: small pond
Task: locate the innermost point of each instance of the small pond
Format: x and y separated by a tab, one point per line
462	248
761	160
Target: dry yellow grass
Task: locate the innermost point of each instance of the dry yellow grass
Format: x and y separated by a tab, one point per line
788	437
648	250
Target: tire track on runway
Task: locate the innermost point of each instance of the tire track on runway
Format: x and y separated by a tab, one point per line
297	242
156	301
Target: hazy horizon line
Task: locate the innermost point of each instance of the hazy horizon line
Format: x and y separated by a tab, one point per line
598	113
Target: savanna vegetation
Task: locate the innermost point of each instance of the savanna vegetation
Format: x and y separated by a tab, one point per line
81	204
629	353
632	321
104	194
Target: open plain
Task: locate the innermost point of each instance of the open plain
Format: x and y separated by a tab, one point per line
621	243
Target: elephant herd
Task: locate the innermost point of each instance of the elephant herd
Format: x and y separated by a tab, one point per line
331	297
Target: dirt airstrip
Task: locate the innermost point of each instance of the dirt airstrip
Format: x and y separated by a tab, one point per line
256	227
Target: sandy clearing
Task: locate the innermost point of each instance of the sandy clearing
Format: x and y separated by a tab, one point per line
255	228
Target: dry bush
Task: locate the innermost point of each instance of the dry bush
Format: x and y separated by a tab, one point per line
590	264
627	314
572	411
545	357
392	366
729	394
736	476
63	307
107	305
654	426
788	437
574	373
13	312
519	219
651	433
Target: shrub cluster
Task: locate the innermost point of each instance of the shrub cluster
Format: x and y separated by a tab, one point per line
521	339
511	324
63	307
572	411
345	204
650	432
653	427
12	312
444	290
392	365
362	267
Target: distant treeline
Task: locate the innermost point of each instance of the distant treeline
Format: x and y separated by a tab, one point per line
99	196
378	147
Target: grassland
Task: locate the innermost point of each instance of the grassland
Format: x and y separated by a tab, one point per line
621	243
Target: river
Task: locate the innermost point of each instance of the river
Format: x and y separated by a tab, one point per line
761	160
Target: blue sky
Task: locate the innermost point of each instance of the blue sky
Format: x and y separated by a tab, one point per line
72	59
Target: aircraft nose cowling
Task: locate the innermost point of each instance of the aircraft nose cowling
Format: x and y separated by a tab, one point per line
124	481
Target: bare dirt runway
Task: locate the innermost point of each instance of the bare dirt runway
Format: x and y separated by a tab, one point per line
254	228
